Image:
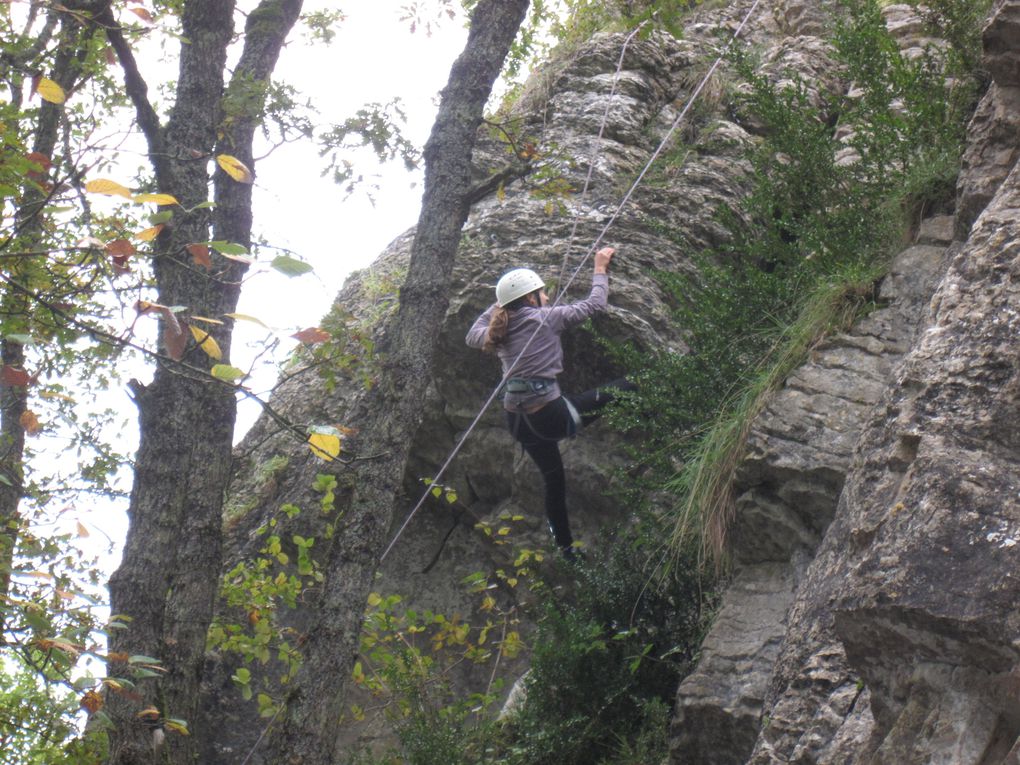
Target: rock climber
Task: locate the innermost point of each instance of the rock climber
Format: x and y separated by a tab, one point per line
521	323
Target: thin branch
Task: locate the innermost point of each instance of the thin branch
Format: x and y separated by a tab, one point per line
135	85
175	366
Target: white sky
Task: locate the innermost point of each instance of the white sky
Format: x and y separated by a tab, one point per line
374	58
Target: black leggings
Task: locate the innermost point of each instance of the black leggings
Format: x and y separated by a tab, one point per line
540	433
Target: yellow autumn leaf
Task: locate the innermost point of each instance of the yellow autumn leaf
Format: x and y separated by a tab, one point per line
177	726
147	235
235	168
156	199
206	343
246	317
324	445
48	90
52	394
106	186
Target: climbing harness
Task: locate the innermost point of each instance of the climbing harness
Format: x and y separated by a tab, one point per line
561	290
535	385
574	424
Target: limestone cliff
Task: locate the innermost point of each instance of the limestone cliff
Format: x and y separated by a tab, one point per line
872	617
872	611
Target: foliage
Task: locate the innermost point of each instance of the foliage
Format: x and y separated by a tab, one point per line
605	659
38	723
581	19
959	24
606	662
704	482
409	657
77	248
823	214
375	126
258	592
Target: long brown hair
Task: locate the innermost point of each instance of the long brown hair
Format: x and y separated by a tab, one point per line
499	323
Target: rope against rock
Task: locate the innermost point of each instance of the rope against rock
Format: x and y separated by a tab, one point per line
562	289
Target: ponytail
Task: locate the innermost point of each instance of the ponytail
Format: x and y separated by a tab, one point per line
499	324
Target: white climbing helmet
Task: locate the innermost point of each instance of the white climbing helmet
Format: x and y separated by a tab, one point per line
515	284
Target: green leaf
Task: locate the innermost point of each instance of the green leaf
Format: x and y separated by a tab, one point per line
289	266
227	373
228	248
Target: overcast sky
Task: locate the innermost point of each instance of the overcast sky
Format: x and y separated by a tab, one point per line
374	58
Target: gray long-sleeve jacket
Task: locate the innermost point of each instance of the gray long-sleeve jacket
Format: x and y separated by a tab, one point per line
544	355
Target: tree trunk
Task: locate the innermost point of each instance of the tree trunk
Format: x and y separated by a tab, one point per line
389	414
168	579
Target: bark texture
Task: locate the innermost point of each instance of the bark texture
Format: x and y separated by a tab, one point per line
168	578
388	416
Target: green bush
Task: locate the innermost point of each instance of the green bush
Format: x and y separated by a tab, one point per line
606	660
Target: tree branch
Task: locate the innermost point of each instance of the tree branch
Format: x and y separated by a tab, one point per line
137	89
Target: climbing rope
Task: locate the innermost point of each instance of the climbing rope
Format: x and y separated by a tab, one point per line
591	250
593	160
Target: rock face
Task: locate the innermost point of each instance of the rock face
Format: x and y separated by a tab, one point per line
873	611
632	102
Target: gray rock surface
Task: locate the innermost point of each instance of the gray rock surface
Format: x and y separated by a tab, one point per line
850	668
525	224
